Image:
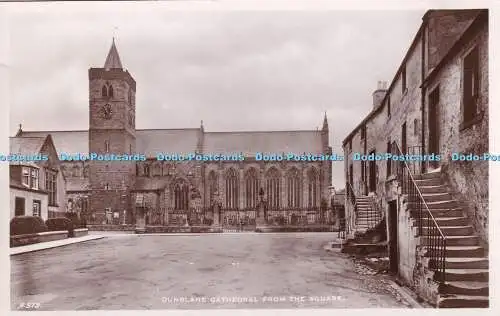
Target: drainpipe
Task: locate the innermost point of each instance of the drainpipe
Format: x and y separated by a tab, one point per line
423	91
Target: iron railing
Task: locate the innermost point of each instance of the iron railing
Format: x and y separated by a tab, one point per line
351	216
374	214
428	229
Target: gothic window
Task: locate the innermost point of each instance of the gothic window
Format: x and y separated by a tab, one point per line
86	171
212	186
146	170
110	91
312	187
181	191
273	188
76	171
157	169
251	188
104	91
293	187
106	187
231	189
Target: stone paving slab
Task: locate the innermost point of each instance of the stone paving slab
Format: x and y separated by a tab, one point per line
52	244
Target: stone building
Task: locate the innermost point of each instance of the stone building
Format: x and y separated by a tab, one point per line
435	106
112	192
37	185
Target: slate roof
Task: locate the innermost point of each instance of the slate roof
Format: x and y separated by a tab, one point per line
113	59
64	141
26	145
267	142
152	141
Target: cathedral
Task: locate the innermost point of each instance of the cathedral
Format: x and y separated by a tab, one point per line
112	192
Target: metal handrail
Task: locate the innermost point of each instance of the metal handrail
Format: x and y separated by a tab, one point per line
429	241
354	203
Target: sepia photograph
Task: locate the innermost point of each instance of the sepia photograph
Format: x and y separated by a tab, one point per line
167	157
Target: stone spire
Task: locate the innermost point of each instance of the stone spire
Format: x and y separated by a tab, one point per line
113	59
325	123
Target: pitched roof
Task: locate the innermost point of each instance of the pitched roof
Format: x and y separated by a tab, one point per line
64	141
266	142
153	141
26	145
113	59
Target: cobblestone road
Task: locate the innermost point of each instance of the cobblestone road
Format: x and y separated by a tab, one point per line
209	271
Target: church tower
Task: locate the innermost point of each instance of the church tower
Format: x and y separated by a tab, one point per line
111	131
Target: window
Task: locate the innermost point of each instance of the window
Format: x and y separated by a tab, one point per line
312	188
37	207
104	91
146	170
181	194
106	146
273	188
19	206
251	188
363	132
26	176
212	186
403	80
106	187
388	106
293	188
34	178
232	189
51	186
110	91
470	85
389	166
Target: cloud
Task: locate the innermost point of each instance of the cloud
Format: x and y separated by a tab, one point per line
235	70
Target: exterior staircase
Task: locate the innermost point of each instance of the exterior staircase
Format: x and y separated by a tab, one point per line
466	262
366	215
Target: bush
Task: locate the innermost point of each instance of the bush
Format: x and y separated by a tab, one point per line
21	225
60	223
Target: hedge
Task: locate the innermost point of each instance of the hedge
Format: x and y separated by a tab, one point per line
60	223
21	225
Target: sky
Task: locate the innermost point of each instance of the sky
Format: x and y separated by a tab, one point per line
235	70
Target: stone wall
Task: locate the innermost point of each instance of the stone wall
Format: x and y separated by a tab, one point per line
468	178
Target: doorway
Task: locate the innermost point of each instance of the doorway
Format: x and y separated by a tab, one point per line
372	170
393	237
434	134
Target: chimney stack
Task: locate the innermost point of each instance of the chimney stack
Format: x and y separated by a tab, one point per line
379	94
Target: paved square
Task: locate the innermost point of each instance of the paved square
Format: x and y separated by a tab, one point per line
287	270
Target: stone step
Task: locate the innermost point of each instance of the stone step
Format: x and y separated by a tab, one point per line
428	175
433	189
471	288
463	251
477	275
461	301
428	182
436	204
450	230
443	212
437	197
451	221
466	263
453	241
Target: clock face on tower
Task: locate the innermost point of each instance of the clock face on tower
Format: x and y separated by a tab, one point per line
106	111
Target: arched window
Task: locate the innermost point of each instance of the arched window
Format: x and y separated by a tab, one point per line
251	188
273	188
212	186
181	194
86	171
146	170
293	187
110	91
157	169
76	171
104	91
312	187
231	189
